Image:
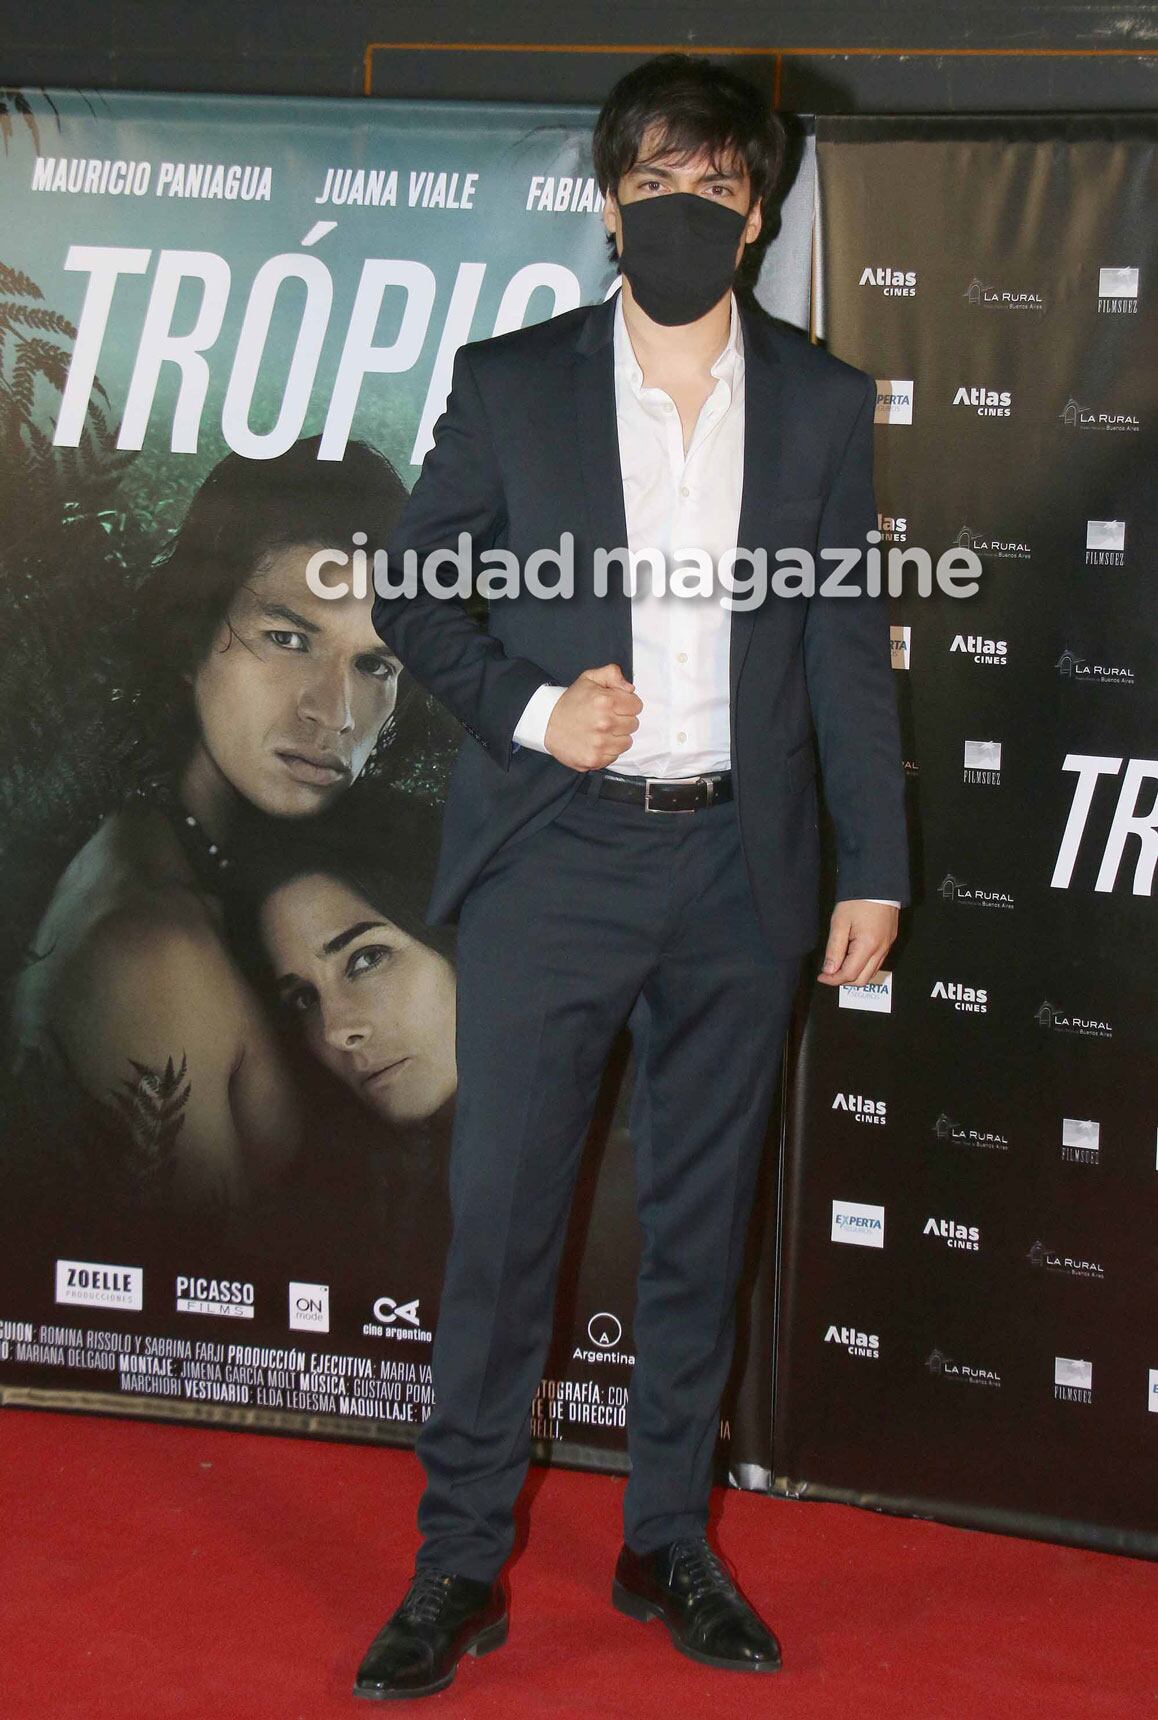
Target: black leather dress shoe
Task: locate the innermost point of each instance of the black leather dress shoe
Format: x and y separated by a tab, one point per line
686	1586
441	1618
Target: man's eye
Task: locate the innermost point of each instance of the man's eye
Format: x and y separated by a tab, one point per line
280	635
379	668
301	1001
368	957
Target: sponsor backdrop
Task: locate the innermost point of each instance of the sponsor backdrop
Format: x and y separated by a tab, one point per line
219	319
968	1325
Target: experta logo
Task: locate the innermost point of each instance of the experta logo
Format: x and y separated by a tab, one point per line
900	646
853	1221
94	1284
309	1307
876	996
894	401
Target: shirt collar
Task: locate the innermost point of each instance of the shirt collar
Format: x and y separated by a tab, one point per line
730	359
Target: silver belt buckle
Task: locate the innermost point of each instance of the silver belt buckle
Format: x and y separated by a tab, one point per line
665	782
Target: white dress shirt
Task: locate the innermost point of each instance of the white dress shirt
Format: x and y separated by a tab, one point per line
673	500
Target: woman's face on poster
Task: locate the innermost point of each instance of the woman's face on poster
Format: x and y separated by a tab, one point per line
376	1005
294	690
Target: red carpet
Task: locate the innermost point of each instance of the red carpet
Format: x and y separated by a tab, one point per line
159	1571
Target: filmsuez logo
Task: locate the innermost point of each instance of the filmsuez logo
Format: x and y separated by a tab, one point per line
1133	817
986	402
1073	1380
952	889
893	283
93	1284
1057	1020
1077	417
1043	1258
900	646
232	1298
605	1334
993	653
876	996
853	1221
1081	1141
856	1343
398	1320
862	1110
953	1234
1071	667
1118	292
945	1129
894	401
1105	543
982	763
309	1307
966	999
997	549
944	1367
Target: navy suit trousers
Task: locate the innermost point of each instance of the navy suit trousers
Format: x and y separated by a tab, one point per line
606	912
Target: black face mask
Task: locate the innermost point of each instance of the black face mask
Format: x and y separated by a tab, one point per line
679	253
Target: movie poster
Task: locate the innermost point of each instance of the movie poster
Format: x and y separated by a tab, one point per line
226	332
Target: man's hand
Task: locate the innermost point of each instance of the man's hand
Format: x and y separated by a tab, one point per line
594	720
859	938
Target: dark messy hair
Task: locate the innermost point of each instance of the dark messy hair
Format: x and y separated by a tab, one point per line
696	106
244	511
384	852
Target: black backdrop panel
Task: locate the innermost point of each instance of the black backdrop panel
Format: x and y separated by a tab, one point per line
968	1323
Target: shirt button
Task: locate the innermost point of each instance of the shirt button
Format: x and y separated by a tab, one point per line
681	656
681	736
684	491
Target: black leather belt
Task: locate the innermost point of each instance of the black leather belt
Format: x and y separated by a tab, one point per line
662	793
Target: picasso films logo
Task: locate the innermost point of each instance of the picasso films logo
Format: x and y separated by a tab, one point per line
1072	666
228	1298
854	1221
1118	292
981	763
1081	1141
962	1135
894	400
1105	543
876	997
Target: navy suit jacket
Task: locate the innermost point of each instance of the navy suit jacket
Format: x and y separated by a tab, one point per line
526	449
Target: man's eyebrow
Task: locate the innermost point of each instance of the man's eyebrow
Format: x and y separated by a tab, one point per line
282	612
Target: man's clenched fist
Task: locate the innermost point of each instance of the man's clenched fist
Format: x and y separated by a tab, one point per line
594	720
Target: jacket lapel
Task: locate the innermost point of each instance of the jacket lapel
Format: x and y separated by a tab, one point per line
598	448
764	430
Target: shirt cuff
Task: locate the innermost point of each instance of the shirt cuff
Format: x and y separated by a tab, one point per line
882	902
531	728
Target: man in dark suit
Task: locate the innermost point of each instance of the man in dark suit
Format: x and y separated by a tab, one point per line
631	830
